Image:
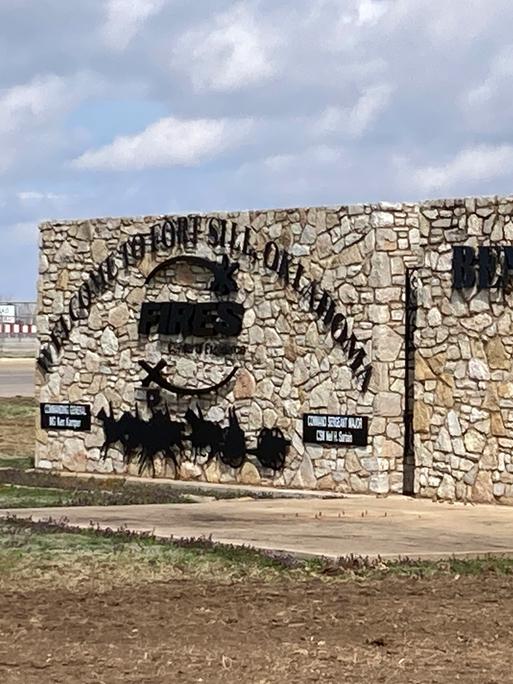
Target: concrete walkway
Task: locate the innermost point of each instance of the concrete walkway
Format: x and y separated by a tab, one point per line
360	525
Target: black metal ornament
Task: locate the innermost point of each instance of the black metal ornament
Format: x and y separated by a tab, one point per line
155	375
144	440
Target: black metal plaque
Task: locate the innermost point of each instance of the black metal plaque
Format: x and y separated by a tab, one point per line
76	417
337	431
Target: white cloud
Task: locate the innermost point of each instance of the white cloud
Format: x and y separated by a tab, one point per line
497	83
40	100
234	54
30	114
289	163
371	11
481	163
354	122
35	196
125	18
168	142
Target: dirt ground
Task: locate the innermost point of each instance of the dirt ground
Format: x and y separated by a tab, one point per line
397	630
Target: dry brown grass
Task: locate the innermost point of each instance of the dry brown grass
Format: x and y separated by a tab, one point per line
17	428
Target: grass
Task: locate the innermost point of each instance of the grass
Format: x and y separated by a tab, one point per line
13	496
89	491
50	554
16	462
16	495
15	408
17	432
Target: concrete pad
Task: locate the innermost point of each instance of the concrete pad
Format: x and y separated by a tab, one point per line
361	525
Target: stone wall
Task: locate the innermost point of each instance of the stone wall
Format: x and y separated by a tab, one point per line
464	372
358	255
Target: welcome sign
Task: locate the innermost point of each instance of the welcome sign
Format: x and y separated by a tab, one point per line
187	233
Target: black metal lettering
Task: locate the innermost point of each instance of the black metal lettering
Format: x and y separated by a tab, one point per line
75	312
339	328
112	268
272	249
125	252
283	269
149	318
230	317
182	231
155	237
507	267
180	319
138	246
463	267
85	297
325	308
45	359
246	243
487	260
297	280
195	224
97	281
365	376
222	225
212	232
169	233
204	319
309	292
233	235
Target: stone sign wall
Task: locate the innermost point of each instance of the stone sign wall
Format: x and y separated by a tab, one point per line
320	298
464	371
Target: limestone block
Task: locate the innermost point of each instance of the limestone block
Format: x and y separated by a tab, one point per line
443	442
422	415
475	442
379	313
326	483
478	370
387	404
497	425
444	393
322	396
447	488
381	219
380	275
422	369
190	471
359	485
505	390
386	343
305	476
491	400
249	474
453	423
119	316
245	385
437	362
482	490
379	483
109	342
99	251
352	463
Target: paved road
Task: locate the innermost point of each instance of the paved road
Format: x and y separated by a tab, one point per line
17	377
362	525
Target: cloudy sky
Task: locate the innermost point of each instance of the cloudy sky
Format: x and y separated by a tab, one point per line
122	107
